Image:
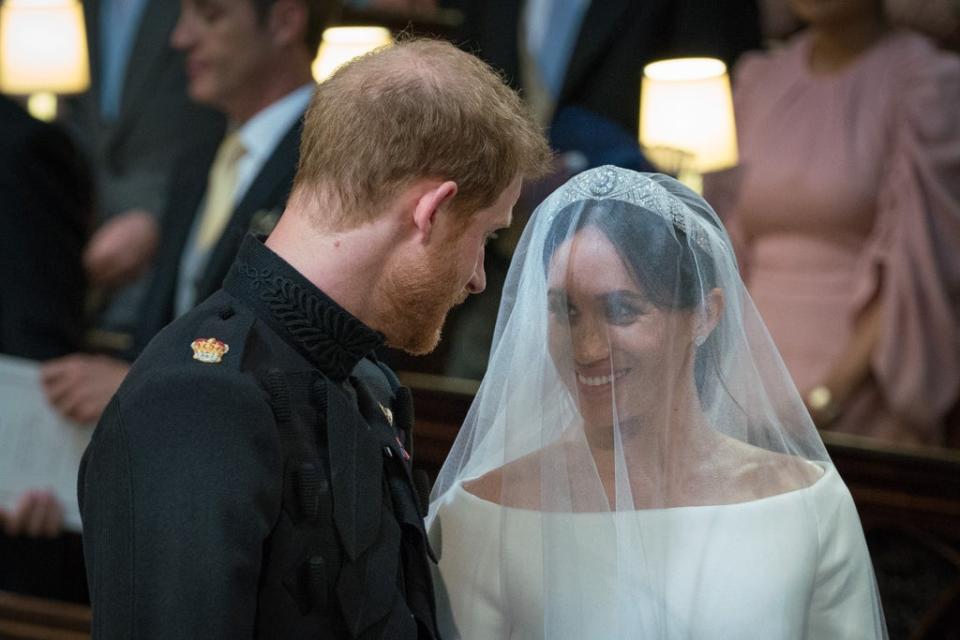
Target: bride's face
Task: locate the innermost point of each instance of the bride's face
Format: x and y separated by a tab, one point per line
622	357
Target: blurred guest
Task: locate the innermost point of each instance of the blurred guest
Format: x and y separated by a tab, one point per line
777	20
45	200
45	206
133	123
939	19
846	212
250	60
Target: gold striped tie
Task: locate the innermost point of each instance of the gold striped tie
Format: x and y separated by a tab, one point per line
221	187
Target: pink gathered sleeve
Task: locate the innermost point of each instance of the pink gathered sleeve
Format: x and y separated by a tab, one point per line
913	259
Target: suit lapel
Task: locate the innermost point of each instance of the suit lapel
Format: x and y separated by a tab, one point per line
187	202
187	187
268	191
602	19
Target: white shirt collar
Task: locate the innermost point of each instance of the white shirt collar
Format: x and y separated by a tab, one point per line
261	133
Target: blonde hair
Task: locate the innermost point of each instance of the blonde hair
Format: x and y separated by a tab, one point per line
417	109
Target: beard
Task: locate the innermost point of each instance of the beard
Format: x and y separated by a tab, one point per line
417	296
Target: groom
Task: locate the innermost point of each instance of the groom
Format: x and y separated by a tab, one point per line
251	478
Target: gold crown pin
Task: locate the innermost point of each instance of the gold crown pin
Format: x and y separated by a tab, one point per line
209	350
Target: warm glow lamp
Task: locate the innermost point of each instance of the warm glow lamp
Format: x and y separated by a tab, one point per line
686	118
342	44
43	51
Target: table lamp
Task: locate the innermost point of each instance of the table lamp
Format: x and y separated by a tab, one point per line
342	44
43	51
686	118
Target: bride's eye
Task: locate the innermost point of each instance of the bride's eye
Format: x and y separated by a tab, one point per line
622	311
621	314
558	306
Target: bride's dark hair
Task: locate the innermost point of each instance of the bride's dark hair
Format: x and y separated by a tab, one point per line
671	270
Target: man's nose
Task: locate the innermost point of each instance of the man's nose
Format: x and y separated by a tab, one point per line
182	35
478	281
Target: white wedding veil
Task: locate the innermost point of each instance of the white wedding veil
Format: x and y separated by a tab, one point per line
637	462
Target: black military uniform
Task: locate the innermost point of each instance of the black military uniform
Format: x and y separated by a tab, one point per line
251	478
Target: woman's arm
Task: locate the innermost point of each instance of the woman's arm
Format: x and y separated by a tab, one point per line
850	371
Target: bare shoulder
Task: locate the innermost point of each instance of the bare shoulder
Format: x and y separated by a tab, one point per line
764	473
515	484
487	487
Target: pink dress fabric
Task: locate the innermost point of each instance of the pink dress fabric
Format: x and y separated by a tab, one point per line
849	188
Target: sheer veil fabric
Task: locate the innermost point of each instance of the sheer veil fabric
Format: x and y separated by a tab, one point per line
637	462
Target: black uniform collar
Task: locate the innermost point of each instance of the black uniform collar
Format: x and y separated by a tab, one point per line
323	331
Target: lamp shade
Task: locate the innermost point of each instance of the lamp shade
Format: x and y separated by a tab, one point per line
686	111
43	47
342	44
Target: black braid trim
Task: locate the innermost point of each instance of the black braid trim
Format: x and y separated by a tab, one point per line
333	338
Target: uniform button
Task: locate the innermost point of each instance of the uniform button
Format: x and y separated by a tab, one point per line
317	581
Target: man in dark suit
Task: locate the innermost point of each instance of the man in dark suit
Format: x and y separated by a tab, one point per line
243	62
260	486
133	124
46	211
46	205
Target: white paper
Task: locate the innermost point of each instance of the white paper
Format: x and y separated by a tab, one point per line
38	448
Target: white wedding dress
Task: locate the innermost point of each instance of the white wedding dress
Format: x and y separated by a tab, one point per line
761	569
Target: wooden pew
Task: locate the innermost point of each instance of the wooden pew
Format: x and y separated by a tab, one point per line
909	502
25	618
893	485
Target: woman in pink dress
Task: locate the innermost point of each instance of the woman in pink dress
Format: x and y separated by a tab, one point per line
846	215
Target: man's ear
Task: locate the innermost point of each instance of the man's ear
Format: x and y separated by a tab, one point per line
287	22
428	205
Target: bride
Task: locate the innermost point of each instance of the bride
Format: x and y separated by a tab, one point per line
637	463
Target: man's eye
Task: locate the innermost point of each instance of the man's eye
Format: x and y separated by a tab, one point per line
210	12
